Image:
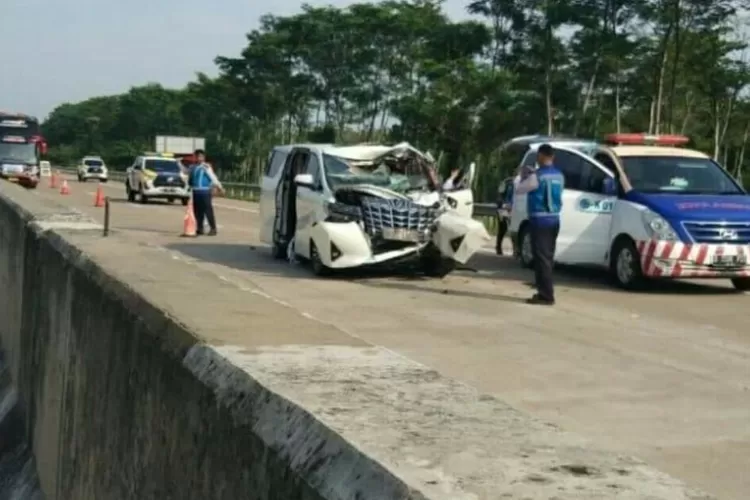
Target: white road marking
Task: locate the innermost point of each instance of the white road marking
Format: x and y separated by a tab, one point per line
240	209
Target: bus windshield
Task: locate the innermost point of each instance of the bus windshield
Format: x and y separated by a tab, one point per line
26	127
18	153
678	175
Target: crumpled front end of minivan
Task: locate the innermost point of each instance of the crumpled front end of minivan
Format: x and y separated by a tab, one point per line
369	225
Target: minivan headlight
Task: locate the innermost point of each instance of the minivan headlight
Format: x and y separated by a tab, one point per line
340	212
658	227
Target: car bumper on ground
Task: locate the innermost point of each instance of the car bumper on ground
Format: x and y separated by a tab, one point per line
667	259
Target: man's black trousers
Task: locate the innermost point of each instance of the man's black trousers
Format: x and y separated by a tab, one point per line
502	230
203	208
543	244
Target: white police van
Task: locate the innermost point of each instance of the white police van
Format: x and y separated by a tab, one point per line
645	208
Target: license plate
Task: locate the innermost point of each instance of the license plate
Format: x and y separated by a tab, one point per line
395	234
729	261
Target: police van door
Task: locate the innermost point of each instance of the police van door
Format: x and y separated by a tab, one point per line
587	211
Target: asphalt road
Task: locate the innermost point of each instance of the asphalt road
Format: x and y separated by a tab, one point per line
663	375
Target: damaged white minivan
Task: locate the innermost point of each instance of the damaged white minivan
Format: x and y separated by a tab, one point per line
366	205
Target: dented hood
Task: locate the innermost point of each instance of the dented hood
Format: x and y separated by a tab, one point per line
374	152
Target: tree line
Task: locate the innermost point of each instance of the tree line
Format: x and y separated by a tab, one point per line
403	70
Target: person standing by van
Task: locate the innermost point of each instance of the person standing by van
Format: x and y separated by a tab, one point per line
544	189
202	181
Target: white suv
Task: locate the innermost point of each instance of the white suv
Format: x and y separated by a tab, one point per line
92	167
156	176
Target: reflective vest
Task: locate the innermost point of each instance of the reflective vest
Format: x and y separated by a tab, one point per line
545	202
199	179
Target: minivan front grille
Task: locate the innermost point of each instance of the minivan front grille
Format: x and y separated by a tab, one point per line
399	214
718	232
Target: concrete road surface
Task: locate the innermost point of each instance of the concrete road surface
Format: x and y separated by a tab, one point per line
663	375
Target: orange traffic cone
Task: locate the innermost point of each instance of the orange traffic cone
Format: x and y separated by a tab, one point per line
99	198
64	189
53	180
189	225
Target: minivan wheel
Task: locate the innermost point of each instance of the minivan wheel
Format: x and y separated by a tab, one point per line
525	249
741	284
318	268
625	265
434	265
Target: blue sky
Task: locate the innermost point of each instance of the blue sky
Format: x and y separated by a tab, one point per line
56	51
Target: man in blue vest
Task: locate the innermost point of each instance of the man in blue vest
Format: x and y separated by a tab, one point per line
203	181
544	189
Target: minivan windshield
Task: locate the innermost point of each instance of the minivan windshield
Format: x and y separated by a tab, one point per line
340	172
678	175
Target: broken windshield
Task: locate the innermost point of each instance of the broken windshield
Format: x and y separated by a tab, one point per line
398	174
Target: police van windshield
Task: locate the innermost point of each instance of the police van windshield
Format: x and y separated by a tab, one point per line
166	166
21	153
678	175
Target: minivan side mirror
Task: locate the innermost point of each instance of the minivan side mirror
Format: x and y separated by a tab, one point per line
305	180
609	187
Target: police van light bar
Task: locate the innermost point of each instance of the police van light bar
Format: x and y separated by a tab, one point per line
159	155
647	139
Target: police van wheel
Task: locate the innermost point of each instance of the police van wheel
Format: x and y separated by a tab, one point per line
625	265
525	252
741	284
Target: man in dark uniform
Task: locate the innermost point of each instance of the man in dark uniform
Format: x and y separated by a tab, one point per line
544	189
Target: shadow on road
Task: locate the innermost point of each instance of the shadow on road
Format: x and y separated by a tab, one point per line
483	266
124	201
448	291
504	267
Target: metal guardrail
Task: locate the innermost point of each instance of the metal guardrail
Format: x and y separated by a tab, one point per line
486	212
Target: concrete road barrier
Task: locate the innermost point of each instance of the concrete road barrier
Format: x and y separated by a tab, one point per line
137	380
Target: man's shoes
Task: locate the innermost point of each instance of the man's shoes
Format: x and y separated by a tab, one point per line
538	300
498	251
212	232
